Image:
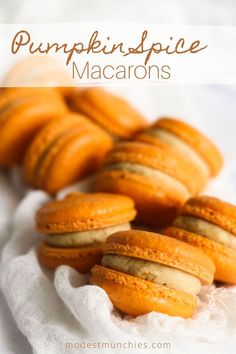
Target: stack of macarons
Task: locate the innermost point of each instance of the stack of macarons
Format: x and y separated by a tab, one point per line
209	224
65	151
144	271
55	146
189	141
140	271
157	177
112	113
77	226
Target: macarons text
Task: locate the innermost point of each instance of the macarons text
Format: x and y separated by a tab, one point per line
96	44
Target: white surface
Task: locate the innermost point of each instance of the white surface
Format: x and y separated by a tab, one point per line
210	108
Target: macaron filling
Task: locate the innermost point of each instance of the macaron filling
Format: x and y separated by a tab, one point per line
154	272
85	238
206	229
151	173
185	148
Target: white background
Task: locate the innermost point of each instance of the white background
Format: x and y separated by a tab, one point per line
211	108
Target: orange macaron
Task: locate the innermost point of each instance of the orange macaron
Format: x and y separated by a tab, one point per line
158	178
65	151
40	71
23	111
144	271
111	112
210	224
76	228
189	141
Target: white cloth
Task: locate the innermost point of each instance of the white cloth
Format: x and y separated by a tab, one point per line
51	312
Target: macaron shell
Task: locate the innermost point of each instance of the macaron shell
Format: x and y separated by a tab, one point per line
65	151
10	103
135	296
12	93
80	155
200	177
81	258
83	212
20	125
213	210
15	94
157	205
162	249
206	149
161	157
111	112
47	135
72	157
37	71
223	257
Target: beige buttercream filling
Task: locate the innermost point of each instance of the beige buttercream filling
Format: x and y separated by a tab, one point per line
154	272
206	229
179	144
156	175
85	238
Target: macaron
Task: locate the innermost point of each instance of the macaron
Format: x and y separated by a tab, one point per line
65	151
158	178
144	271
40	71
111	112
210	224
77	226
188	140
23	111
